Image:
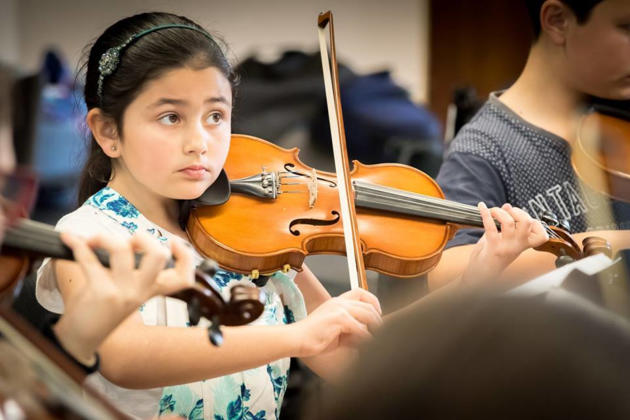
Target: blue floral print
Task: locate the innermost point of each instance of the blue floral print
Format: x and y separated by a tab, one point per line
101	197
123	208
131	227
279	383
109	199
237	410
222	277
288	318
167	404
197	412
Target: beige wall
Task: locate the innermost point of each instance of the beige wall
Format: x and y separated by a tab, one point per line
8	32
371	34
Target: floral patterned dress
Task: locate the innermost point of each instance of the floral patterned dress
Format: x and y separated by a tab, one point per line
251	394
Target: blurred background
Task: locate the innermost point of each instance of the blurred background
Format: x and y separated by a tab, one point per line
412	72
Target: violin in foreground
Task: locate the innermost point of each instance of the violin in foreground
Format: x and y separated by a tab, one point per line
27	240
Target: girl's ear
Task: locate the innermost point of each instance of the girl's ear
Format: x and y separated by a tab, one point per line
555	19
105	132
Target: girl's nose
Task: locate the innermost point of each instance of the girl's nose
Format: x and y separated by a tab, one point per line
197	140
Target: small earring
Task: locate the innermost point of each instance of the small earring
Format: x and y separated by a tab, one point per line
114	148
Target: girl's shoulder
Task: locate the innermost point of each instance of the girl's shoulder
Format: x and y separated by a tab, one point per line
88	220
104	212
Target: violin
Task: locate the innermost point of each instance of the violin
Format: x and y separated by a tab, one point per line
289	210
390	218
27	240
39	382
37	378
601	153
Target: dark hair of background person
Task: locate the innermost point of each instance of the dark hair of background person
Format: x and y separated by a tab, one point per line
490	357
580	8
144	60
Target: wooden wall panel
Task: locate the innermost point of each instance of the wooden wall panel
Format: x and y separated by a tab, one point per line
479	43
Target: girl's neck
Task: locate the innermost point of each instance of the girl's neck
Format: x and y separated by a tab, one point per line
542	96
158	209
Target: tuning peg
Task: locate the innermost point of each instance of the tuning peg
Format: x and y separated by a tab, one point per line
208	266
565	225
549	217
194	311
596	245
214	332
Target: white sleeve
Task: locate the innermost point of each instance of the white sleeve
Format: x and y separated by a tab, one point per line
86	221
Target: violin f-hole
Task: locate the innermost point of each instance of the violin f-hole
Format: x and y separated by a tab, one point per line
313	222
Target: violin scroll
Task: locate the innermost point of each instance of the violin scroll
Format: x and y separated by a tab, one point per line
564	247
204	300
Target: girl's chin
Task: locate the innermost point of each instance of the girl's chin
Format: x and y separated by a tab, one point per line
189	192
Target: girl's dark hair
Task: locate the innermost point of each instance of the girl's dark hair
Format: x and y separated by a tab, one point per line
580	8
145	59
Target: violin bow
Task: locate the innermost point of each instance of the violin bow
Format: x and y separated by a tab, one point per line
356	267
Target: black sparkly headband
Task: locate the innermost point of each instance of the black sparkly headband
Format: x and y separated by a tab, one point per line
111	58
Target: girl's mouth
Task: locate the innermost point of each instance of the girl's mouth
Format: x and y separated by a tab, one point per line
194	172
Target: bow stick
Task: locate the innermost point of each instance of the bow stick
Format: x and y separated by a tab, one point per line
356	267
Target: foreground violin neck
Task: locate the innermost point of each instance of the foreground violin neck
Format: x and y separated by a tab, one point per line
40	240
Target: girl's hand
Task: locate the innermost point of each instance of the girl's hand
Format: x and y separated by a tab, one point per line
496	250
122	282
111	294
343	320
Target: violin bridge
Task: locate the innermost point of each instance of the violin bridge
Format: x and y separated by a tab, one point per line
312	189
311	185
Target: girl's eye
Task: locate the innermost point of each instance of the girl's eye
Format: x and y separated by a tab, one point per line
215	118
169	119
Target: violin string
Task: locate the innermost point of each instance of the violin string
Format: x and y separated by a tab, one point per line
28	229
469	212
444	208
46	239
434	203
398	196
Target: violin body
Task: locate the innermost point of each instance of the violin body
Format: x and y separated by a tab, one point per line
260	235
601	153
14	268
265	235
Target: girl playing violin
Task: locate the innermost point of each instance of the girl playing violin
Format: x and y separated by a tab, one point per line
160	92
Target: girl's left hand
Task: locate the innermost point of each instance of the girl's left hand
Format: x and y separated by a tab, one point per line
496	250
124	284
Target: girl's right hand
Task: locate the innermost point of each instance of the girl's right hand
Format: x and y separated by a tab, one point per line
343	320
